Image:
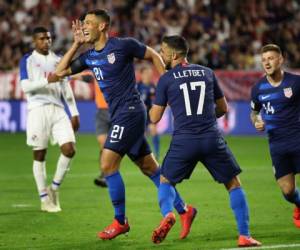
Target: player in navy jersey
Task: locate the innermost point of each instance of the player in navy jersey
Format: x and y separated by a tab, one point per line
146	89
196	100
276	107
111	61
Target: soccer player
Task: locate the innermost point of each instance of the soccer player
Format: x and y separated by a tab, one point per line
276	97
47	119
196	100
146	89
111	60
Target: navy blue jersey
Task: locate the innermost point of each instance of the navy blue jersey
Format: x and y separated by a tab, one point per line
147	92
114	70
191	91
280	106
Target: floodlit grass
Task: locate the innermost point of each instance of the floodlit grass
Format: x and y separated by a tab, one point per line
87	208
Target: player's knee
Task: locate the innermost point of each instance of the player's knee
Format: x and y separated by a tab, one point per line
107	168
68	150
39	155
288	194
233	183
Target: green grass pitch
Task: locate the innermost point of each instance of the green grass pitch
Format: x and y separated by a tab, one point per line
87	208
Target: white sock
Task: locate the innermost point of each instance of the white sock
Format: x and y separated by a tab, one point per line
39	173
61	169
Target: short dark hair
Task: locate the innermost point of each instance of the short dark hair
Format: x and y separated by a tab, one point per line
103	14
39	29
271	47
177	43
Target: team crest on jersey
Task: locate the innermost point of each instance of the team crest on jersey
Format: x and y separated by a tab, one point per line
111	58
288	92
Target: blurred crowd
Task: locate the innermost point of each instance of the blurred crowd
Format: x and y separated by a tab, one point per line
222	34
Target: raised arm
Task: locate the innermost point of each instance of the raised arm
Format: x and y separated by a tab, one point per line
156	59
63	68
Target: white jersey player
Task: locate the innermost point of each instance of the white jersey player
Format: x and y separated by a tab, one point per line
47	119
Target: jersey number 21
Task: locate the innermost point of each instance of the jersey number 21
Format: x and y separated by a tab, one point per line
193	85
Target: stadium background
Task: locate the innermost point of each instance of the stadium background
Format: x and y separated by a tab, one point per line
224	35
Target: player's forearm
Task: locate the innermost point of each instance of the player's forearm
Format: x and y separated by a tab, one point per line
62	69
159	65
156	113
29	85
156	59
255	117
70	99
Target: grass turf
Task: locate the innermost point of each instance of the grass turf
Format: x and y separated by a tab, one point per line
87	208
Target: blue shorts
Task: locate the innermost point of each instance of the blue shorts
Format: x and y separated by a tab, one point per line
212	151
285	158
127	135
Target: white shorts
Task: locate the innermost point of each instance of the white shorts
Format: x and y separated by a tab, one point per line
48	122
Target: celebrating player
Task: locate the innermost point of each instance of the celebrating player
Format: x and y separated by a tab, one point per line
196	100
47	118
111	60
277	97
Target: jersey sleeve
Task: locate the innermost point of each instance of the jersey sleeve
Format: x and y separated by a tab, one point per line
134	48
218	93
78	64
161	97
28	85
255	104
23	68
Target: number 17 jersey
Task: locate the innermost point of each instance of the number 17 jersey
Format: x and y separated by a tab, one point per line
191	91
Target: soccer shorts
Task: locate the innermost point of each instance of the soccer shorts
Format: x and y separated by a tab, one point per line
285	157
102	121
212	152
48	122
126	135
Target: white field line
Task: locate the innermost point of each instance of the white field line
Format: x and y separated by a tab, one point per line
21	205
266	247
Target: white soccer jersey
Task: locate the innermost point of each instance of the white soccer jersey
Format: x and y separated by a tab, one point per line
34	69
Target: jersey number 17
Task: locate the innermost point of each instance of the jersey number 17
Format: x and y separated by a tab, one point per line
193	85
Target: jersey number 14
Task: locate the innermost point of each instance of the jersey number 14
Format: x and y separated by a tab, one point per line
186	96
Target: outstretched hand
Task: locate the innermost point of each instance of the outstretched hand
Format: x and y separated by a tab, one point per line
77	30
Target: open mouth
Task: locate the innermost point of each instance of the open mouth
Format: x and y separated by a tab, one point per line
86	34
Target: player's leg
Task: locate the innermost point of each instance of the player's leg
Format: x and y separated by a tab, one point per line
175	168
100	180
166	197
286	162
287	185
37	137
110	164
63	134
239	206
102	124
155	139
150	167
222	165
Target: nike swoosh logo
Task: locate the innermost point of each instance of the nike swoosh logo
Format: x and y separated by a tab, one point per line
265	97
112	141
